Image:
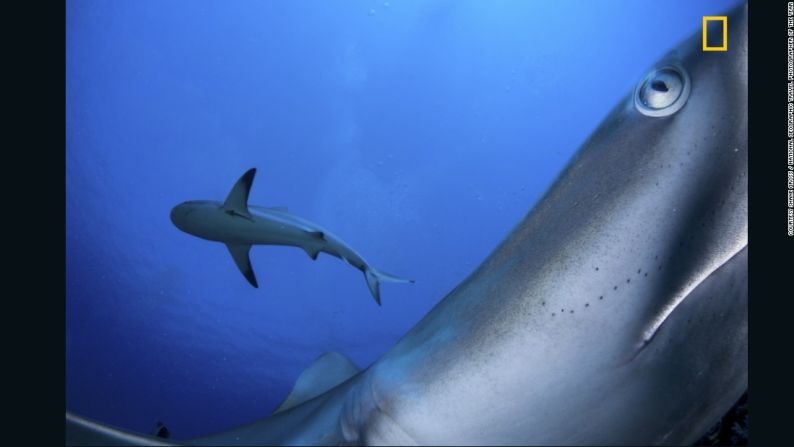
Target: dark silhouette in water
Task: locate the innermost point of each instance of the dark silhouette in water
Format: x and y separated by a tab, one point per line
161	431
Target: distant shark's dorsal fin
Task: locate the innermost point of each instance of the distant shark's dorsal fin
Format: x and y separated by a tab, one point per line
328	371
240	255
237	200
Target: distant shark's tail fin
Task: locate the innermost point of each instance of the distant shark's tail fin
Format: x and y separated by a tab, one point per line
374	278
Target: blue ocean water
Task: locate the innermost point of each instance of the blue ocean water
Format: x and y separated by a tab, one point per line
420	132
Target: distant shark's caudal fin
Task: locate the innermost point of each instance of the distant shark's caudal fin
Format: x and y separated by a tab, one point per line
237	200
240	255
374	278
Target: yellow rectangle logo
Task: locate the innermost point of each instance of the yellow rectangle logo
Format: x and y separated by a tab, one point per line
724	20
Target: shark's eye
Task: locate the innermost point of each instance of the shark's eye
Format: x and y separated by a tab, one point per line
662	92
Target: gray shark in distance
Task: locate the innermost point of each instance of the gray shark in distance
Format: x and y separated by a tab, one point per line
240	226
615	313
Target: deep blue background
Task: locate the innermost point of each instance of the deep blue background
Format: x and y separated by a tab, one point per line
418	131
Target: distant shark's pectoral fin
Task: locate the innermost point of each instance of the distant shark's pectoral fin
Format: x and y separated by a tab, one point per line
313	252
243	261
319	239
237	201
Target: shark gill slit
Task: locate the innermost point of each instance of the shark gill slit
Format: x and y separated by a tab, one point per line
664	314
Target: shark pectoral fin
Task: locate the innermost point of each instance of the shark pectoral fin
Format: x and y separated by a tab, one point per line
326	372
317	245
237	200
240	255
313	252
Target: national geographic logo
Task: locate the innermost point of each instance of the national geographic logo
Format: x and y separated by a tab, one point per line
715	33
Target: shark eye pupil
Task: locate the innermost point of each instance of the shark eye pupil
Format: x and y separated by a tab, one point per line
662	92
659	86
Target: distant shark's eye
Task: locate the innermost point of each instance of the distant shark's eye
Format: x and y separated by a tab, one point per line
662	92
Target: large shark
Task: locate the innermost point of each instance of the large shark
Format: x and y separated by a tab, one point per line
615	313
240	225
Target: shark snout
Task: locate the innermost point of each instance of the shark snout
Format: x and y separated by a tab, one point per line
178	214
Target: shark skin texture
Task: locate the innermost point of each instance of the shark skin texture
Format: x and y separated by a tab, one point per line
615	313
